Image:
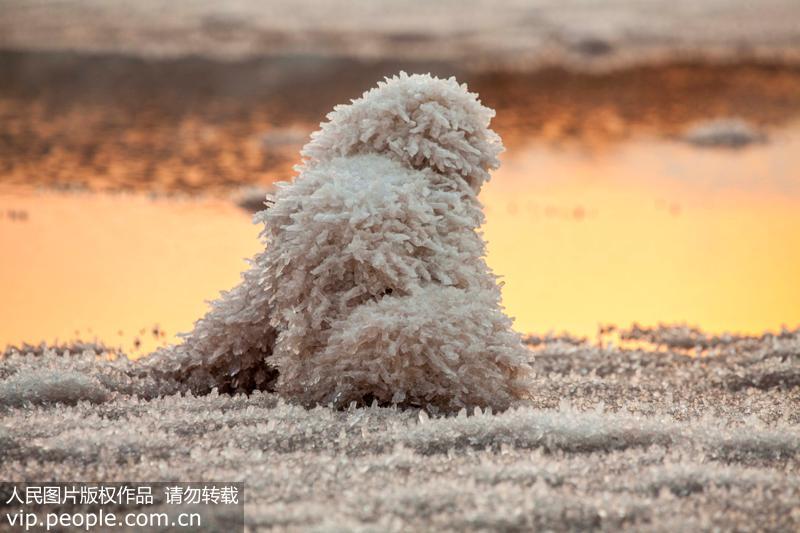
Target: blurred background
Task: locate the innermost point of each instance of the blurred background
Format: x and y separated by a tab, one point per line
652	171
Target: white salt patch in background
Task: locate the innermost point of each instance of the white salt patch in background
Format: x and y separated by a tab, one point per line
724	133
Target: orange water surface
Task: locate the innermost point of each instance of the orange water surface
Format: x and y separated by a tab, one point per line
649	232
645	231
125	270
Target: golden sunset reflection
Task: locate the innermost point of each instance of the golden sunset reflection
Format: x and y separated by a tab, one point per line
120	269
648	232
644	231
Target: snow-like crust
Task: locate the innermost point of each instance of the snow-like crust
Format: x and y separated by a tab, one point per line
613	440
373	283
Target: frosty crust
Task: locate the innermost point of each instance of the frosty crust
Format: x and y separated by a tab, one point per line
373	283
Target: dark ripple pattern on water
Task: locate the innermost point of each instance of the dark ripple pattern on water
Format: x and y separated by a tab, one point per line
197	125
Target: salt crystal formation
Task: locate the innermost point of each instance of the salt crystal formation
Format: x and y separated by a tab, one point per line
656	437
373	283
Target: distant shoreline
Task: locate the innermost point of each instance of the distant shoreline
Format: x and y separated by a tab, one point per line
477	35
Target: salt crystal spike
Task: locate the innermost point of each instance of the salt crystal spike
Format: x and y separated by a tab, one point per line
316	317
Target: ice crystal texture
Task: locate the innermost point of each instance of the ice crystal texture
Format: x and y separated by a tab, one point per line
373	283
613	439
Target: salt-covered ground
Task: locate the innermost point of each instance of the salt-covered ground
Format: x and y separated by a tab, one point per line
670	430
674	431
483	33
